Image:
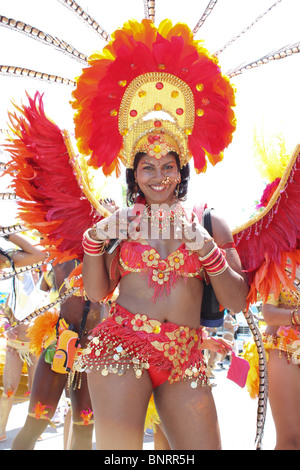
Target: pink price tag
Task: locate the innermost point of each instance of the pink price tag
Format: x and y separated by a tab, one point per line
238	370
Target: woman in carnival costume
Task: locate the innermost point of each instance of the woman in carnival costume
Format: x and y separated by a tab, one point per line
152	340
153	331
22	299
74	319
282	343
281	337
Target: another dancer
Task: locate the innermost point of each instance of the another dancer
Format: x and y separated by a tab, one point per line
22	300
50	382
282	342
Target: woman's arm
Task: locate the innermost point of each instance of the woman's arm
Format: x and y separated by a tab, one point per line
277	316
227	277
29	253
231	287
96	278
96	270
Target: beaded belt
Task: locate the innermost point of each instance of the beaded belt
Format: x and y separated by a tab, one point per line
127	340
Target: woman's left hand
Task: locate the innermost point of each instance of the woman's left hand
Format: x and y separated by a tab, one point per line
195	234
109	204
219	345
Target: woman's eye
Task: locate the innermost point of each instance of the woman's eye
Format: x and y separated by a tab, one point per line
169	168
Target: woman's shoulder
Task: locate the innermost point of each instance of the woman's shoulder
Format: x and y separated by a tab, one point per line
220	228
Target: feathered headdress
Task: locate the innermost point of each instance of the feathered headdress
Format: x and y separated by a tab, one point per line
135	76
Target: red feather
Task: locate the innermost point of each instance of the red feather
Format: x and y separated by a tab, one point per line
52	201
272	238
136	49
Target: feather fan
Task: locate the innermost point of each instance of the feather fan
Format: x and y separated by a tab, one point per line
271	240
52	200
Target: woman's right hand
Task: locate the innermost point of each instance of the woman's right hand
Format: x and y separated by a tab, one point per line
121	224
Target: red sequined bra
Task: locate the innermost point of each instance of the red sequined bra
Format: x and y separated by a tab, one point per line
139	257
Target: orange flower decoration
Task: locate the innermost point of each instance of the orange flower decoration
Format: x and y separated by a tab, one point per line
288	334
182	334
176	260
40	411
86	417
175	375
171	350
138	321
160	276
150	257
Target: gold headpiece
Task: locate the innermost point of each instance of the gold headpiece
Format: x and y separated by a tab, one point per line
157	144
154	94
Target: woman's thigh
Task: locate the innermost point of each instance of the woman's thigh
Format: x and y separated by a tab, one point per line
284	392
31	370
80	399
120	406
189	416
12	370
47	387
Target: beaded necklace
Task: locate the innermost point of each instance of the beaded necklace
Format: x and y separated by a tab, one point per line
161	219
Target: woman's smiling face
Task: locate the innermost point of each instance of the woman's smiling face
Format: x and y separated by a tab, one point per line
158	179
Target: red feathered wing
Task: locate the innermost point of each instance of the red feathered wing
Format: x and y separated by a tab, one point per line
271	240
52	200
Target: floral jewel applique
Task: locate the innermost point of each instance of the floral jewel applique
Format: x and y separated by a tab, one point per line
162	273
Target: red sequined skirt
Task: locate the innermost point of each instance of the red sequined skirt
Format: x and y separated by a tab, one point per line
165	350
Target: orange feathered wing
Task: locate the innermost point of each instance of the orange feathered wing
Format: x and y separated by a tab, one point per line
52	200
271	240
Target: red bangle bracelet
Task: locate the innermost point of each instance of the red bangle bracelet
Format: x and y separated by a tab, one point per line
214	262
92	247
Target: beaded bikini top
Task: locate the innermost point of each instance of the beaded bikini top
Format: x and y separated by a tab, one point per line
141	257
286	297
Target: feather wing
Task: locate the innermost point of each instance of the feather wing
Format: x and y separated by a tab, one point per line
44	177
271	239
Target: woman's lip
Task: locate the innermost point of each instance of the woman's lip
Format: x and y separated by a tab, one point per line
157	187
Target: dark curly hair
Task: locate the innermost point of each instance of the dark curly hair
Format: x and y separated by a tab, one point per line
132	193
